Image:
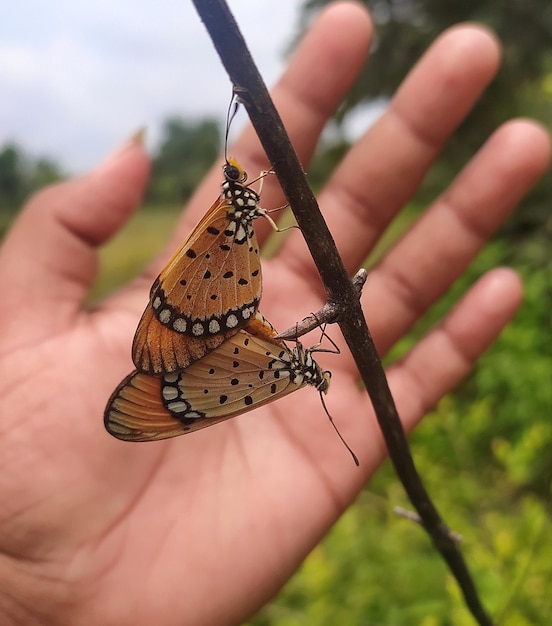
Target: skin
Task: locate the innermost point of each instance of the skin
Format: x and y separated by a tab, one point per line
204	529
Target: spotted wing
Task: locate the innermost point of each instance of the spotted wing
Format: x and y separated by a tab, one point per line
157	349
208	291
245	372
135	411
164	351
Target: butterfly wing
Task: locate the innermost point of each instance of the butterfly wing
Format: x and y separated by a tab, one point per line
157	349
165	351
135	411
245	372
208	291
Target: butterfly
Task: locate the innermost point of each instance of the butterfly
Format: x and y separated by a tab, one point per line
211	286
248	370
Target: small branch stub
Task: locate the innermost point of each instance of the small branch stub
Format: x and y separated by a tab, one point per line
328	314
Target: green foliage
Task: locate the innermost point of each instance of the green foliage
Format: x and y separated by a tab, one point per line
375	568
513	377
187	150
21	175
11	175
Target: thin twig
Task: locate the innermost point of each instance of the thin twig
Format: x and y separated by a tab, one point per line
252	92
414	517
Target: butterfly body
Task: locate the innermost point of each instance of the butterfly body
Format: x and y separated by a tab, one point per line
210	288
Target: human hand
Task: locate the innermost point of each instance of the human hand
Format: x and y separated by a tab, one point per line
203	529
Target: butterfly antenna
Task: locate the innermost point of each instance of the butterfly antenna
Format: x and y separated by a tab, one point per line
230	115
355	458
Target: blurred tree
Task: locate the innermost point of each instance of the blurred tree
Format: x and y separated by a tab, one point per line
186	151
11	176
405	28
21	175
44	171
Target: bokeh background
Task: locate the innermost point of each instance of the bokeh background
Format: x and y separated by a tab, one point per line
77	79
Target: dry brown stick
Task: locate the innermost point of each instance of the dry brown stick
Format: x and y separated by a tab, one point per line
252	92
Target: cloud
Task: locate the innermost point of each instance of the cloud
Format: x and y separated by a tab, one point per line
79	78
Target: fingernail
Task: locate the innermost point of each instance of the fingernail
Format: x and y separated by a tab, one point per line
136	139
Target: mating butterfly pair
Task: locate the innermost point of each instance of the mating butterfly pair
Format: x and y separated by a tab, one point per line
203	352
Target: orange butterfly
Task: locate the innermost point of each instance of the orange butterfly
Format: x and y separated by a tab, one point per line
210	288
247	371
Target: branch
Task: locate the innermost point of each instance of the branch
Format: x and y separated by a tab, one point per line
252	92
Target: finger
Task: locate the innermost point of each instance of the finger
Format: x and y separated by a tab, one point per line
380	173
48	260
441	360
319	74
437	250
446	355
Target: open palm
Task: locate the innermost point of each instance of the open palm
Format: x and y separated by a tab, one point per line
203	529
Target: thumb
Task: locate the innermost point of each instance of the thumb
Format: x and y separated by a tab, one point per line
48	260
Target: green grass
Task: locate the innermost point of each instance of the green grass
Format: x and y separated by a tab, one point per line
122	258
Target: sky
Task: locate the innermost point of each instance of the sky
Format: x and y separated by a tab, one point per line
78	78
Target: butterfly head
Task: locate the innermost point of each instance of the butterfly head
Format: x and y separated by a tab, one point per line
234	172
305	367
242	201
